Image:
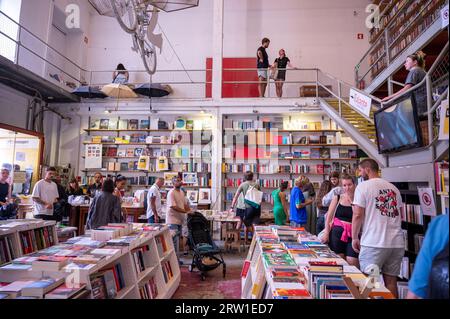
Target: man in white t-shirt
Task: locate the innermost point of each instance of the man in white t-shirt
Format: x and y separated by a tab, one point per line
377	210
154	205
177	207
45	194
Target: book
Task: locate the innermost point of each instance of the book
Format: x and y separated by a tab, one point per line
112	125
133	124
49	263
104	124
144	125
98	287
14	288
65	292
123	124
41	287
281	293
95	125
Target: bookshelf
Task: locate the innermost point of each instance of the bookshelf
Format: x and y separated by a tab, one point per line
138	269
402	22
279	148
184	143
21	237
295	251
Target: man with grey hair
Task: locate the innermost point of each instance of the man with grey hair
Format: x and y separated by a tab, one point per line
154	201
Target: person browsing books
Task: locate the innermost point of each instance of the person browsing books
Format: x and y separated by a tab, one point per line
177	207
105	207
252	215
121	183
309	193
338	225
154	207
45	195
280	204
297	209
74	189
430	275
96	186
325	188
5	188
377	205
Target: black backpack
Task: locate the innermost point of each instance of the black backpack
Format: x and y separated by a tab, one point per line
438	281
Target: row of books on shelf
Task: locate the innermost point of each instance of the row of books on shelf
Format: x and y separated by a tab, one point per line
270	138
279	123
427	19
36	239
406	268
43	288
161	245
395	6
106	284
167	271
418	241
146	139
321	169
7	251
413	214
180	152
149	290
441	176
401	24
309	153
148	124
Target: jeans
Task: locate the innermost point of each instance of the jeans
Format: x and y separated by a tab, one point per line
295	224
320	224
176	238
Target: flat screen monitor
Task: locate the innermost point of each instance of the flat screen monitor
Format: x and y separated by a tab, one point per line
397	126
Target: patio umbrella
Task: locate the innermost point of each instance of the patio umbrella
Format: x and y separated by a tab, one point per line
153	90
89	92
119	91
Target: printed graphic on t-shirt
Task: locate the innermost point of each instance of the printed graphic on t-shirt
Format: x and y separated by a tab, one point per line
386	203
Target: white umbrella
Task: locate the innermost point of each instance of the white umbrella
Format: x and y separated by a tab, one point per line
119	91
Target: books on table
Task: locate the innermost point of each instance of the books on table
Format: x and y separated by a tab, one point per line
40	287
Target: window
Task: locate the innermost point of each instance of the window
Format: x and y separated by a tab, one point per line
9	9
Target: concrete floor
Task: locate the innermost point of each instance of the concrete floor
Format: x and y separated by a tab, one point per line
215	286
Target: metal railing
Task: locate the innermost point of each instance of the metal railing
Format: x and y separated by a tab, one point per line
367	69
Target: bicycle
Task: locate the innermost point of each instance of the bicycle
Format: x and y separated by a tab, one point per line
135	17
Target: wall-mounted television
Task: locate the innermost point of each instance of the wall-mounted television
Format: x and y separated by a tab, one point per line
397	126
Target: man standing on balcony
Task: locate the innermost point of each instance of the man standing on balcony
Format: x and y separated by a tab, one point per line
262	65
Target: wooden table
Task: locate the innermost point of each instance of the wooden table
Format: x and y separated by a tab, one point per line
130	213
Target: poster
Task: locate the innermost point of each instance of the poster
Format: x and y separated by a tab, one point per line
93	157
443	121
20	177
190	178
20	156
426	199
192	195
360	102
204	196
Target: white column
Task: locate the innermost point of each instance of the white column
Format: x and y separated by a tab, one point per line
216	157
217	49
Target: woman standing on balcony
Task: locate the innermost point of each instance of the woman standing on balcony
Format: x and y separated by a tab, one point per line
415	64
121	75
281	63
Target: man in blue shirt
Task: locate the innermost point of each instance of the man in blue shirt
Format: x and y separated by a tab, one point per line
297	210
436	239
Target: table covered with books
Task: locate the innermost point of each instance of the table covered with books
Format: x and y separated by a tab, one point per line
285	262
131	261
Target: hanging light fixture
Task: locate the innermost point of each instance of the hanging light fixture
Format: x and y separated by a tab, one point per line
174	5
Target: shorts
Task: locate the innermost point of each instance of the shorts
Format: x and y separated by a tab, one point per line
262	73
252	216
388	260
240	212
340	247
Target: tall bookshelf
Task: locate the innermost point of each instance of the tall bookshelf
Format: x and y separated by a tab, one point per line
21	237
187	148
278	148
404	21
148	262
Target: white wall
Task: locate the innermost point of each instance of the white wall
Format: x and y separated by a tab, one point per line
13	107
12	10
320	33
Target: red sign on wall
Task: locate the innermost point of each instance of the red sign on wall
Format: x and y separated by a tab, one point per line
360	36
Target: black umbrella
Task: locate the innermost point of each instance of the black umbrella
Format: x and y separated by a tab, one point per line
153	90
89	92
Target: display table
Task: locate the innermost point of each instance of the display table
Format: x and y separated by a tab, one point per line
131	214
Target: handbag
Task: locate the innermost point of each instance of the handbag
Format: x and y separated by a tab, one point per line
253	197
323	232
